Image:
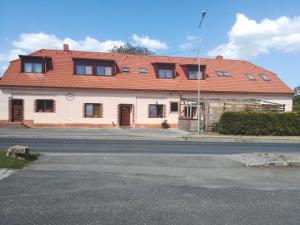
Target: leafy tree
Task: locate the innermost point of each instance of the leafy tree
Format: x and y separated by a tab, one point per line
296	100
130	49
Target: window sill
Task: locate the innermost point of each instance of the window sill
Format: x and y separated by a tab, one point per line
45	112
91	75
32	73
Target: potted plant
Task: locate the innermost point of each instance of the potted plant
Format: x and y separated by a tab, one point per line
165	124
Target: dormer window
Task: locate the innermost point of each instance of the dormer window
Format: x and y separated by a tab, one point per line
104	70
165	73
33	67
94	67
192	70
84	70
35	64
164	70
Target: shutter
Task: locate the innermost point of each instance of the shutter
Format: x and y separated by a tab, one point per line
149	111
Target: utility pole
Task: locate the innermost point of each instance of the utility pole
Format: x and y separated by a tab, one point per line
199	77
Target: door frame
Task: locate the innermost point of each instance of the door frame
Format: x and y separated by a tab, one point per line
11	110
130	115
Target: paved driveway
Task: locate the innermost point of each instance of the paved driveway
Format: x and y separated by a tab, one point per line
148	189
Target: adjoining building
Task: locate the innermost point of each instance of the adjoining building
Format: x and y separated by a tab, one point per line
66	88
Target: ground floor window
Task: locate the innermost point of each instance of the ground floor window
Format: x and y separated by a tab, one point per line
92	110
190	112
44	105
174	107
156	111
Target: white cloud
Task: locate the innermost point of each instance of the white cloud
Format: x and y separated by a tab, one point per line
249	38
191	42
151	44
29	42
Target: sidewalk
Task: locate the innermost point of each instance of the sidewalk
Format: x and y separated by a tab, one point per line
138	134
215	137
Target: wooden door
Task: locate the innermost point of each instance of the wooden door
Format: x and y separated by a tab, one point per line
17	110
125	115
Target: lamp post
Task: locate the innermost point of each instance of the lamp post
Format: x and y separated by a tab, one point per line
199	77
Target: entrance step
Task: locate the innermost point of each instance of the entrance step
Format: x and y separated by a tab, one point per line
13	125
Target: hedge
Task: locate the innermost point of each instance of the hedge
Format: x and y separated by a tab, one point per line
260	123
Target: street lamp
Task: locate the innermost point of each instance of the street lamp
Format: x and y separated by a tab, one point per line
199	77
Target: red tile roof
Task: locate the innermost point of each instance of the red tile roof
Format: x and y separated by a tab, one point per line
62	74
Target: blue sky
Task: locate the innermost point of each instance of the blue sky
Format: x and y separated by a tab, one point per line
265	32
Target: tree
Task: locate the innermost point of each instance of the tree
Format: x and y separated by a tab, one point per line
130	49
297	91
296	100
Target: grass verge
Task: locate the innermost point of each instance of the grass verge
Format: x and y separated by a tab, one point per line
10	163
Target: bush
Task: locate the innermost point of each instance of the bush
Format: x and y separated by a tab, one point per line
260	123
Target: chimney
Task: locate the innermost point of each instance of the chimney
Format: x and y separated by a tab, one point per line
66	47
219	57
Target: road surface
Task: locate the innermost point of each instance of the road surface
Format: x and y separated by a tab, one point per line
142	146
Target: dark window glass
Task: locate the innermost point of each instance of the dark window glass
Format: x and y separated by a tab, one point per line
193	75
32	67
37	68
43	105
28	67
92	110
156	111
165	73
80	70
88	70
84	70
104	70
190	112
174	106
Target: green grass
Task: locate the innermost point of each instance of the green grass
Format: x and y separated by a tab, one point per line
10	163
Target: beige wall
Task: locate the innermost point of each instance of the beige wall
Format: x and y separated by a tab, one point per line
71	111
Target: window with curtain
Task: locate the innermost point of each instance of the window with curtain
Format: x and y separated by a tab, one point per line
156	111
92	110
44	105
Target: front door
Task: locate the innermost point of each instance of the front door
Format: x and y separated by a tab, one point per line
17	110
125	115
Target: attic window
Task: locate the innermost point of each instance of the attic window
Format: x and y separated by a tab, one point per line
250	77
143	70
84	69
222	74
264	77
33	67
125	69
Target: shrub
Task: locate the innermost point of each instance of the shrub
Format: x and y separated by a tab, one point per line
260	123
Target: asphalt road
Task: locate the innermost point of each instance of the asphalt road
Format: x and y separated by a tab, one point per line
141	146
149	189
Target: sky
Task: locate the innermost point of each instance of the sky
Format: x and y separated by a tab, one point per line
266	32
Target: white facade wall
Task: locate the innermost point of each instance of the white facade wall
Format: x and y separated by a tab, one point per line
71	111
